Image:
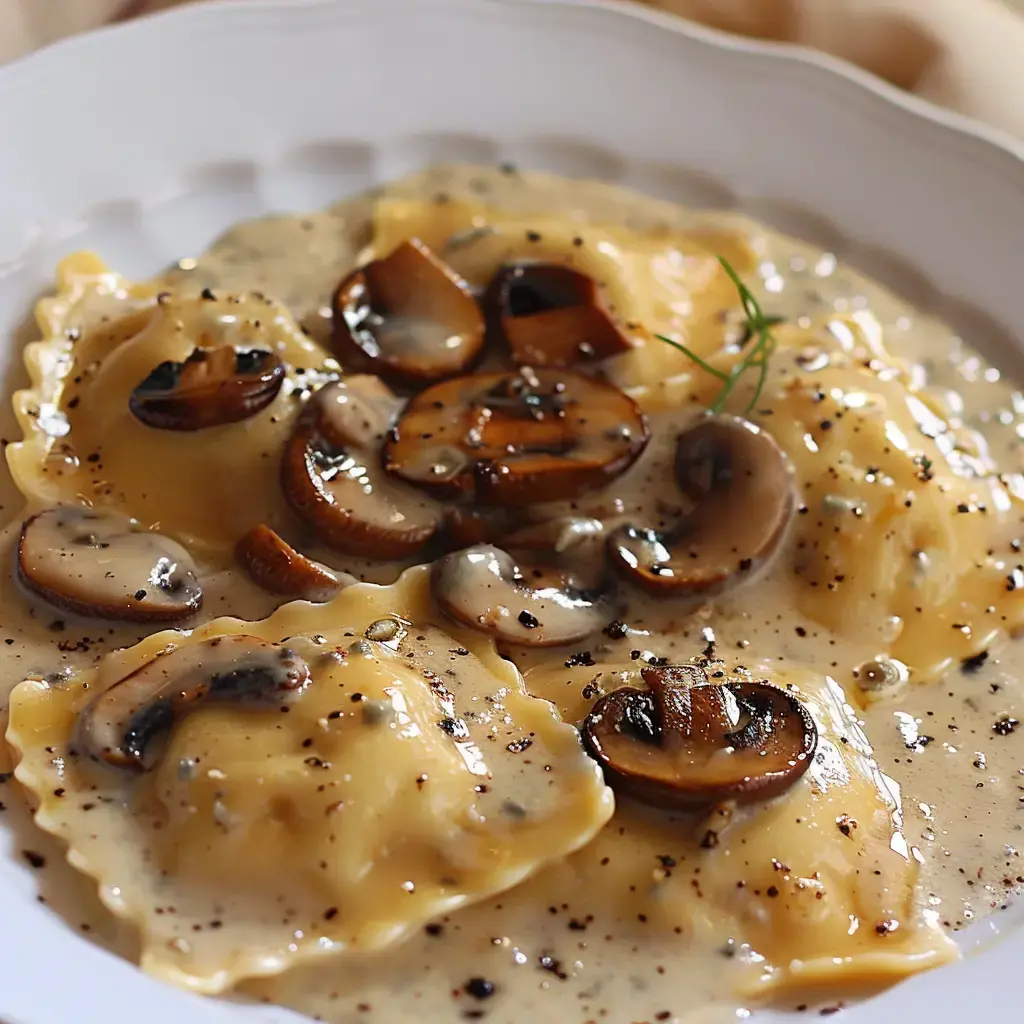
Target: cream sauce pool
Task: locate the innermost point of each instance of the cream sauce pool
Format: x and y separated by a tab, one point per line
562	947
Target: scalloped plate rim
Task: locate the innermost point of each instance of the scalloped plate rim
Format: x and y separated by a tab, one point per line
34	63
844	81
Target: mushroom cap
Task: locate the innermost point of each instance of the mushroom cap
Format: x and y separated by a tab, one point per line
214	386
483	588
686	741
741	487
100	563
118	725
407	317
356	411
549	314
331	477
273	564
516	438
466	525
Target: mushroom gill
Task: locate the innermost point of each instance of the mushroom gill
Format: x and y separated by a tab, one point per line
100	563
740	486
686	741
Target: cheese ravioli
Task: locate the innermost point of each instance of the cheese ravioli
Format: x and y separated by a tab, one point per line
103	336
413	774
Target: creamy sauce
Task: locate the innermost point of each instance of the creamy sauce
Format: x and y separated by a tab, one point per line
594	937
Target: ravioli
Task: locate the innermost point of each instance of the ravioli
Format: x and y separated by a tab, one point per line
413	775
292	835
102	336
814	887
905	526
669	283
904	536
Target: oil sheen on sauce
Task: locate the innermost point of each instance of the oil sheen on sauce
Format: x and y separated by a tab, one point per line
544	952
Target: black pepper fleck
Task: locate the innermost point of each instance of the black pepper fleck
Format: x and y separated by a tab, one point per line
480	988
616	630
974	662
579	658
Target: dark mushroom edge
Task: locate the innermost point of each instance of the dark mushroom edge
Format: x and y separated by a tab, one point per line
120	725
686	741
213	387
516	438
548	314
275	566
99	563
740	486
408	318
331	475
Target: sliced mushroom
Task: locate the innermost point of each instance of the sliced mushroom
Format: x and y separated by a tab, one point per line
212	387
559	536
465	525
331	476
273	564
741	485
516	438
513	528
482	587
686	741
357	411
100	563
551	315
119	726
408	317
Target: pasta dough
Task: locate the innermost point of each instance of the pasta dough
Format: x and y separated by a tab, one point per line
412	776
905	518
103	335
335	847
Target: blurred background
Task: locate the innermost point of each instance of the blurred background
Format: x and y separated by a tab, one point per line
967	55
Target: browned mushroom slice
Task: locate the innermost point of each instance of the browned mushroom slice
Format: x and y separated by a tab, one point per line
560	536
516	438
741	486
119	726
100	563
408	317
686	741
551	315
273	564
212	387
357	411
465	525
331	476
483	588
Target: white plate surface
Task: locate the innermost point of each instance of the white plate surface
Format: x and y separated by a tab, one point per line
147	140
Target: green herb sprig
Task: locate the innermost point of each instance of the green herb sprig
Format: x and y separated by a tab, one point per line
758	328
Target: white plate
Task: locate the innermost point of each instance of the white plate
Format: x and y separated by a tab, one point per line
145	141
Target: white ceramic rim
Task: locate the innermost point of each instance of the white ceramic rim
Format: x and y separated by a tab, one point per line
954	992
